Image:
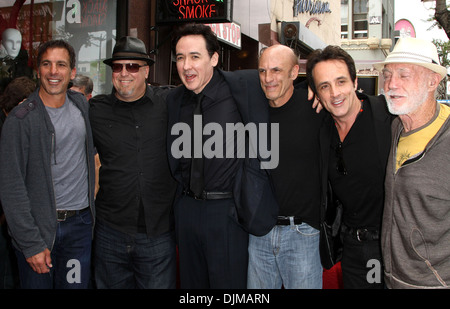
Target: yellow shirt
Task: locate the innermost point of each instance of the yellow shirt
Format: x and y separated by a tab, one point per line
412	144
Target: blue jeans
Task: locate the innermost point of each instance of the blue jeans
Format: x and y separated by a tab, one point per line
287	256
123	261
71	257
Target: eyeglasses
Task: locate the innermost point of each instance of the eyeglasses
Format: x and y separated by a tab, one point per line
131	67
340	164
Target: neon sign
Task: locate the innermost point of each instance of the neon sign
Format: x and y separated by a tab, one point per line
175	11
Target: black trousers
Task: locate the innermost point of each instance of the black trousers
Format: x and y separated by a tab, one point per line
361	263
213	248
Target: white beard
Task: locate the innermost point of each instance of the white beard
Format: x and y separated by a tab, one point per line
414	102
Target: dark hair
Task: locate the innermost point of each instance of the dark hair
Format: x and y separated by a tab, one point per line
212	45
56	44
330	52
83	81
17	90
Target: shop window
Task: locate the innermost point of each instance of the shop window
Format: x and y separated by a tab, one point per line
88	25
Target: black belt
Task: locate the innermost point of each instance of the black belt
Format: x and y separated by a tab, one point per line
62	215
285	220
209	195
362	234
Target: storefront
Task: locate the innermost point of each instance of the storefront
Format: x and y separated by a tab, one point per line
88	25
91	27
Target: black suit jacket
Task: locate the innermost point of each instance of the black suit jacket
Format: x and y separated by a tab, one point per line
329	212
256	207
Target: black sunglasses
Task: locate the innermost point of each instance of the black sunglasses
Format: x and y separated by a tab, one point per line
131	67
340	164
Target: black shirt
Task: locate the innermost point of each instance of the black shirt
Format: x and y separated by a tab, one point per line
218	107
136	187
297	177
361	191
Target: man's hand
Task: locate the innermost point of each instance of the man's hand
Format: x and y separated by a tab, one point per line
316	103
41	262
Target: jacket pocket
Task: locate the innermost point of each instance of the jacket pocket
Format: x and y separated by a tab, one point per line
419	246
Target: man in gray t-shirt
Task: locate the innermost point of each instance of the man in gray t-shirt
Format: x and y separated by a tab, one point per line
47	177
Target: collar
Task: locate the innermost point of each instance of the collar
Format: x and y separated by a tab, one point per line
210	89
117	101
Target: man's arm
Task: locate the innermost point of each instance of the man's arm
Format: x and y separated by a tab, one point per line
13	191
316	103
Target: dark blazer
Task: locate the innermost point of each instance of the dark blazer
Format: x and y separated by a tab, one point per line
382	122
256	207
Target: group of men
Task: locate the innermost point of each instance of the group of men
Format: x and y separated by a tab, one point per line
236	221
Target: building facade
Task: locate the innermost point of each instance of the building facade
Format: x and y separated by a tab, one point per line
92	27
367	34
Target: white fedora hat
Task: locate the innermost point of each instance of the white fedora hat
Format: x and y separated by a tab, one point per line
414	51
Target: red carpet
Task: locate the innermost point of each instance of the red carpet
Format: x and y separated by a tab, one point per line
332	278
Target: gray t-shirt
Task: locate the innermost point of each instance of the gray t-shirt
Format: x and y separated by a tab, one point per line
69	165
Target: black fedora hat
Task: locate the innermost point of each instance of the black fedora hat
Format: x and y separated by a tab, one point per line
129	48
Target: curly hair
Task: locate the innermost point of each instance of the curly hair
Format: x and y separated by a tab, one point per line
16	91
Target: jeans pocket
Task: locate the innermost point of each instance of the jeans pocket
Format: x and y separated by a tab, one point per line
86	217
306	230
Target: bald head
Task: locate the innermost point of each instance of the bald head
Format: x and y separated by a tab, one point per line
280	51
278	68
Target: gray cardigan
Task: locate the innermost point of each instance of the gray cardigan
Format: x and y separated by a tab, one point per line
26	186
416	221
